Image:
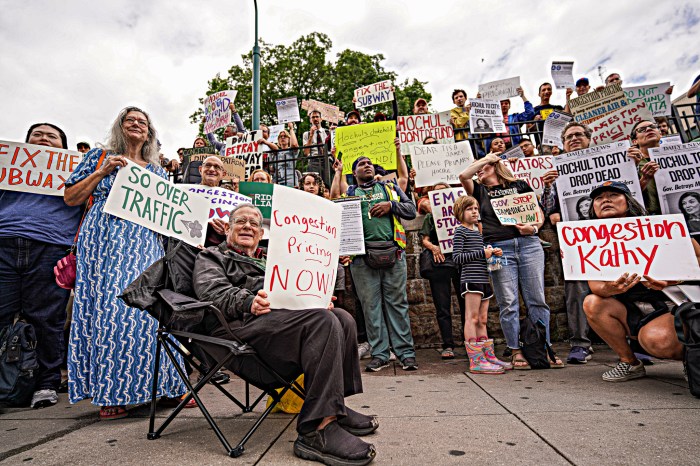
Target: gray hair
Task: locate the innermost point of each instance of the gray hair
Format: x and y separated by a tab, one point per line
586	129
116	141
233	211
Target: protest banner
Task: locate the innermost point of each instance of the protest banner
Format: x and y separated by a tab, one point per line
563	74
146	199
618	124
374	94
678	181
485	116
654	95
330	113
441	203
594	105
553	126
517	208
440	162
373	140
221	200
260	195
500	90
303	251
275	131
217	113
352	236
29	168
248	148
532	169
514	152
414	129
582	170
287	110
658	246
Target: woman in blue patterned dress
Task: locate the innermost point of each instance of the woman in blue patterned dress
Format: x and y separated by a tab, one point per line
112	347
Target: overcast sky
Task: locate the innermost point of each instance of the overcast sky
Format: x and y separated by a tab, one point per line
77	63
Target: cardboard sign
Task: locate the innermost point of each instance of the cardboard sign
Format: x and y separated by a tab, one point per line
414	129
517	208
501	89
582	170
29	168
617	125
329	112
216	110
260	195
146	199
532	169
373	140
352	236
485	116
441	203
553	126
440	162
594	105
654	95
221	200
562	74
302	256
234	167
374	94
658	246
287	110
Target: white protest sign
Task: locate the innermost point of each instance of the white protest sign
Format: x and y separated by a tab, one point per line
563	74
248	148
216	110
618	125
485	116
514	152
221	200
517	208
329	112
678	181
582	170
275	131
146	199
658	246
36	169
532	169
287	110
414	129
553	126
675	139
500	90
654	95
374	94
302	256
352	236
441	203
440	162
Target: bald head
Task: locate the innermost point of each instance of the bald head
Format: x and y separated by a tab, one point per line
212	171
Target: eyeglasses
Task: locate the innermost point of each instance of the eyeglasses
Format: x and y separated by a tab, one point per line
208	166
242	221
138	121
570	136
646	129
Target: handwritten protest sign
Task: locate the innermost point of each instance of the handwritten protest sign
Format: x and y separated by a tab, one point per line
562	74
146	199
374	94
553	126
618	124
441	202
216	110
373	140
248	148
329	112
287	110
594	105
414	129
678	181
260	195
352	236
275	131
440	162
221	200
302	256
234	167
517	208
654	95
657	246
532	169
485	116
582	170
36	169
206	150
501	89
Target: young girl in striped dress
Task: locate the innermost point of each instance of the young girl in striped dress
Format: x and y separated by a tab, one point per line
469	252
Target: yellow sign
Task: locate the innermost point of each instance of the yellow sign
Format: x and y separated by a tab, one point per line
373	140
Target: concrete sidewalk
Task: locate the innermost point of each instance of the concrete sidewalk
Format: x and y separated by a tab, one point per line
437	415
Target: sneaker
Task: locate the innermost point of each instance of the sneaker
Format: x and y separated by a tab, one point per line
625	371
44	398
364	350
334	446
578	355
376	364
409	364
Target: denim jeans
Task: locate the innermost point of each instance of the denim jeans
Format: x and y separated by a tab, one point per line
390	326
441	284
28	286
575	292
522	270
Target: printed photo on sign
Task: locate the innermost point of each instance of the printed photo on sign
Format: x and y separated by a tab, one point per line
374	94
501	89
373	140
414	129
485	116
440	162
441	203
517	208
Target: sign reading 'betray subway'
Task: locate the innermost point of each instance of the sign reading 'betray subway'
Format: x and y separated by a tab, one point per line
146	199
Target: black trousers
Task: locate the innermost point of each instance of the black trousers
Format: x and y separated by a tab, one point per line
441	284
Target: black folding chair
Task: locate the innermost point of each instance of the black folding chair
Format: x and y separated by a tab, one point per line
165	291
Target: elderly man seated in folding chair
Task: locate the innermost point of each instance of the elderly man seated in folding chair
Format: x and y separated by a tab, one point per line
320	343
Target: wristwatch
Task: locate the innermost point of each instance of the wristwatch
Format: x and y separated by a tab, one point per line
536	230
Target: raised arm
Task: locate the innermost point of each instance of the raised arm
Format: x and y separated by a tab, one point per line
401	167
466	176
339	186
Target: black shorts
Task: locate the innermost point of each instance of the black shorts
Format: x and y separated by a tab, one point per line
482	288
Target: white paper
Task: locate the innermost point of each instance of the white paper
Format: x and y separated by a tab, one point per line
617	125
275	131
287	110
440	162
563	75
553	126
513	152
221	200
485	116
352	237
441	203
501	89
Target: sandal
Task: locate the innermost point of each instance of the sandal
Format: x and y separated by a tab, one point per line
519	362
447	353
110	413
173	402
556	364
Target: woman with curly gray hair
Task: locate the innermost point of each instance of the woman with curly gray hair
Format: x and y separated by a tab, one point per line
112	347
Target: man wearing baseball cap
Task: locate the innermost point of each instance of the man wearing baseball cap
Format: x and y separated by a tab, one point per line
420	107
83	147
582	86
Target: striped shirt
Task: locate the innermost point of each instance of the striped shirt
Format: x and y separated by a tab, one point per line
468	252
